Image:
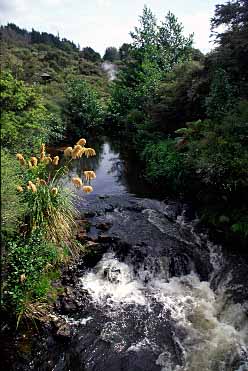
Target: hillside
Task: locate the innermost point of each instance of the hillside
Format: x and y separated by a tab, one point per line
36	56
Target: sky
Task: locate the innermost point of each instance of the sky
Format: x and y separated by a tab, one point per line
104	23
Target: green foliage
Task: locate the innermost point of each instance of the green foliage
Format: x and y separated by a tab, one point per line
173	47
28	260
165	88
241	227
25	120
12	206
111	54
11	31
216	151
48	230
164	164
145	35
124	51
90	54
231	52
164	44
49	205
179	98
221	96
155	50
61	60
84	109
38	221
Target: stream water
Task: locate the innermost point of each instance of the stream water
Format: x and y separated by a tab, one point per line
158	296
117	171
168	300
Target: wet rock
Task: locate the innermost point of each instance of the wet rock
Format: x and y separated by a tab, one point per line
68	305
68	290
89	214
92	244
140	361
103	226
63	331
92	239
81	236
103	237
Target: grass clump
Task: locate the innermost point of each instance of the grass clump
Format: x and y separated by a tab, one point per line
47	234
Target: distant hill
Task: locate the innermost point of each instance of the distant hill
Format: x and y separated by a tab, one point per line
38	57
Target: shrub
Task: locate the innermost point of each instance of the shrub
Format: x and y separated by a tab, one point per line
28	261
12	207
25	122
83	110
164	164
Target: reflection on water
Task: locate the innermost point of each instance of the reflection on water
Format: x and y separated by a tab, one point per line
109	169
116	167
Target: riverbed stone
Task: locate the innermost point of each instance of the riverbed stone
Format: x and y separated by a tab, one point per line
63	331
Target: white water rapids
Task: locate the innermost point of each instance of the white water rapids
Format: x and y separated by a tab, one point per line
216	333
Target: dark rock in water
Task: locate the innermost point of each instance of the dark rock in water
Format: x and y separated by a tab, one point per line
91	245
68	306
233	275
89	214
139	361
64	331
103	226
148	223
103	237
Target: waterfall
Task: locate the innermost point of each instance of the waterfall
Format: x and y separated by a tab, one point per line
110	69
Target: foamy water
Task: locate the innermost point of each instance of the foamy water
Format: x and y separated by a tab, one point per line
217	334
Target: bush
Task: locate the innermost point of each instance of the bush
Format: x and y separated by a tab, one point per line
164	164
12	207
84	110
28	261
26	123
216	150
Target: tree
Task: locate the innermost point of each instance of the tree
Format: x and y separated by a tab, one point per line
111	54
90	54
124	51
221	96
145	35
83	109
25	120
173	46
232	51
179	98
162	44
154	51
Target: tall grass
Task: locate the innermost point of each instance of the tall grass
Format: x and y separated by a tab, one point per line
47	236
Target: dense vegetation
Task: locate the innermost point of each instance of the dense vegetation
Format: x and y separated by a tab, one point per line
187	113
50	90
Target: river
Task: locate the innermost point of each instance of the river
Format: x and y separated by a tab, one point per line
117	171
156	295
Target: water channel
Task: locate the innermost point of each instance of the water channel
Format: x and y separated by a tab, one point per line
154	306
